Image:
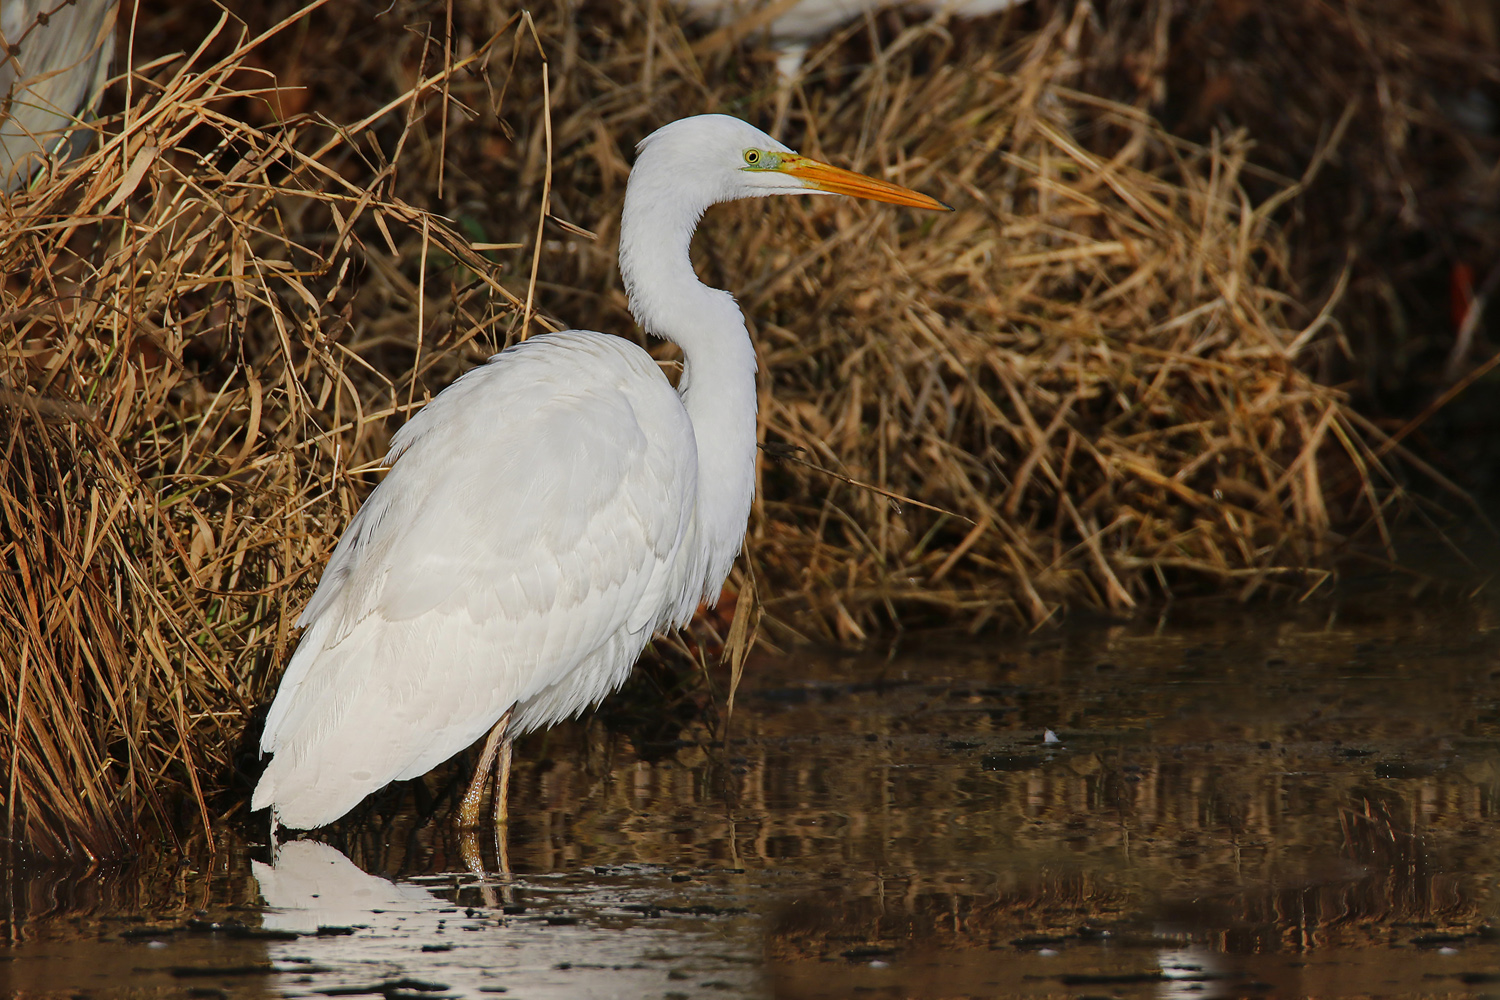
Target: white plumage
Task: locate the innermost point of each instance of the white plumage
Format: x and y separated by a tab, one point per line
532	517
55	60
796	24
546	513
806	20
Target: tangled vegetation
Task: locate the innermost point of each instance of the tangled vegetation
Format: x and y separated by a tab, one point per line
1089	386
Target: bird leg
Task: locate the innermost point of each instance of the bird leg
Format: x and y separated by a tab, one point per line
502	780
501	808
468	813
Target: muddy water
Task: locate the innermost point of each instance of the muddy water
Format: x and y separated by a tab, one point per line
1236	805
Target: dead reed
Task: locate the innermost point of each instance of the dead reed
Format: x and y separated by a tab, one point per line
1402	215
1082	388
197	368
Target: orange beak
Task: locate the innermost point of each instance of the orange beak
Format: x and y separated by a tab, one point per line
825	177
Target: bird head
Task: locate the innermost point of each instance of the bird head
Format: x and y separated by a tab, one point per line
732	159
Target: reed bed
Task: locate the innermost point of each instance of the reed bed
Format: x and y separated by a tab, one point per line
1085	388
1403	214
198	364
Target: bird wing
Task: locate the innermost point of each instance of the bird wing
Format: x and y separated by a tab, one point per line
534	510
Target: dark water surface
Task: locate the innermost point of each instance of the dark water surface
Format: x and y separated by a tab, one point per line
1273	804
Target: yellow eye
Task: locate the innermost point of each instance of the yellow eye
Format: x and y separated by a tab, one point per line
752	157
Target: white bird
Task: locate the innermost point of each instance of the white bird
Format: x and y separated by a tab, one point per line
796	24
54	59
545	514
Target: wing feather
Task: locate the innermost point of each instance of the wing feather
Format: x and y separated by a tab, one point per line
527	531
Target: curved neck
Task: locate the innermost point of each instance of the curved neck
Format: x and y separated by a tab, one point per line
718	379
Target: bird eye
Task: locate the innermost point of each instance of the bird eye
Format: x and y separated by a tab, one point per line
752	157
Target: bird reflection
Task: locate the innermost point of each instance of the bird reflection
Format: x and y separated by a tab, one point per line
312	885
582	934
361	926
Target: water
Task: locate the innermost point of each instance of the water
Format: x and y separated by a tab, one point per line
1242	804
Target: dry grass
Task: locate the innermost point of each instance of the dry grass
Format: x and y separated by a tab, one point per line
1082	388
1404	214
1091	369
198	361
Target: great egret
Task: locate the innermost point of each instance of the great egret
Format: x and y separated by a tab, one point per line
53	64
796	24
545	514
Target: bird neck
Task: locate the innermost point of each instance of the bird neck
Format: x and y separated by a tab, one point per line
718	379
